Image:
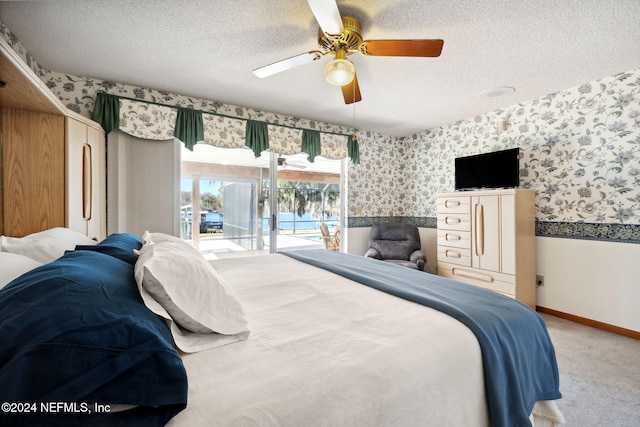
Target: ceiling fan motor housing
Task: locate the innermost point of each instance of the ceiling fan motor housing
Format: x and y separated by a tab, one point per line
349	40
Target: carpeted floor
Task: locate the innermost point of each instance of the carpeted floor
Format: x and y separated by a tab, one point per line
599	375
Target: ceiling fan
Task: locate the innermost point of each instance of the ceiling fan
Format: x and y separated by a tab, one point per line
293	163
340	36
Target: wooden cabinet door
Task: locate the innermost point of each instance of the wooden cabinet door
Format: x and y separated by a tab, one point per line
32	172
508	234
486	231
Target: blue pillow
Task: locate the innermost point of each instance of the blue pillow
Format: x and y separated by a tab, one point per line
76	330
119	245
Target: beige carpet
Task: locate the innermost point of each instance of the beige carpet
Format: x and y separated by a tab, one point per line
599	375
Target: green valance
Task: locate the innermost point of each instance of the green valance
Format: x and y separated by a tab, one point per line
107	111
311	143
189	128
257	137
156	121
354	149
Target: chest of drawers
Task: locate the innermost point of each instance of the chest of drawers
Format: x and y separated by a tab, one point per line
487	239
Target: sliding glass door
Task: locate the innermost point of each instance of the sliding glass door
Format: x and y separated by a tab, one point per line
233	204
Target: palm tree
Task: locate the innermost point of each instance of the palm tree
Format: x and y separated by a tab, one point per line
321	200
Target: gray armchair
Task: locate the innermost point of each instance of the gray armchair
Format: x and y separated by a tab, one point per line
398	244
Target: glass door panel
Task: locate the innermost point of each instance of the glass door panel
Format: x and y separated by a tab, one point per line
309	195
228	207
222	200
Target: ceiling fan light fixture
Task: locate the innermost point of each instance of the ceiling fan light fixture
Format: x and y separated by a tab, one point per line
339	72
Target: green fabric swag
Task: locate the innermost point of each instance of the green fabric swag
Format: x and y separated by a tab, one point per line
311	143
106	111
189	127
257	137
354	149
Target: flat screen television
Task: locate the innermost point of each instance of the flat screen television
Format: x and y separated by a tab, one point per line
498	169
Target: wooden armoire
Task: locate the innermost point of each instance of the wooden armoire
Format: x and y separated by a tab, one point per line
52	159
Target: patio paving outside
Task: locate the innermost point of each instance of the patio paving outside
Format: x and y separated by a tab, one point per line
217	247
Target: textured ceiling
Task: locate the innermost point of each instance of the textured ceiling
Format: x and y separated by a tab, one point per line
207	49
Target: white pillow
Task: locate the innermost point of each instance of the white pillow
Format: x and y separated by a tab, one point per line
149	237
178	283
14	265
45	246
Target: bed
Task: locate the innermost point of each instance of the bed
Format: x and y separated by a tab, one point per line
293	343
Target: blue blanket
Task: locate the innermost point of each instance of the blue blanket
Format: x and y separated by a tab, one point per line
518	356
76	333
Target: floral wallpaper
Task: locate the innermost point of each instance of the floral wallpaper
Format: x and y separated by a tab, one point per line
377	186
581	152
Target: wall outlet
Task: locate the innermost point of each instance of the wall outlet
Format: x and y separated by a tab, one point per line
539	280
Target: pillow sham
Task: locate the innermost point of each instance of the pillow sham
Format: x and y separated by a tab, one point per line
177	283
45	246
123	246
14	265
76	330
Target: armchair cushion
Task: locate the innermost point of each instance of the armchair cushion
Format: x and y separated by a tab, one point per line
397	243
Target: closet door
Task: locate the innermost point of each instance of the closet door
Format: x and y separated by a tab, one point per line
86	179
97	186
486	232
76	136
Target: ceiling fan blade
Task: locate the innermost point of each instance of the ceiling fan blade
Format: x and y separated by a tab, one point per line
428	48
351	91
327	15
287	64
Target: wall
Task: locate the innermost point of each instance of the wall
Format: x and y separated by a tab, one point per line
134	203
596	280
381	185
581	153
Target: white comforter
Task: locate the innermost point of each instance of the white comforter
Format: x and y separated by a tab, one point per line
326	351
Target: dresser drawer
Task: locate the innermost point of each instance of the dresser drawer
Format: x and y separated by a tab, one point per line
503	283
454	238
454	204
456	256
454	221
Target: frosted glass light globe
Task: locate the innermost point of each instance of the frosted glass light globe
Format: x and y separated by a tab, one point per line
339	72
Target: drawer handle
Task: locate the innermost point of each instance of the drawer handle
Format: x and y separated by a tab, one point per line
454	220
472	275
451	203
452	237
452	254
479	226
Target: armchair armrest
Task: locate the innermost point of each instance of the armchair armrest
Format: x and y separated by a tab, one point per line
373	253
419	258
